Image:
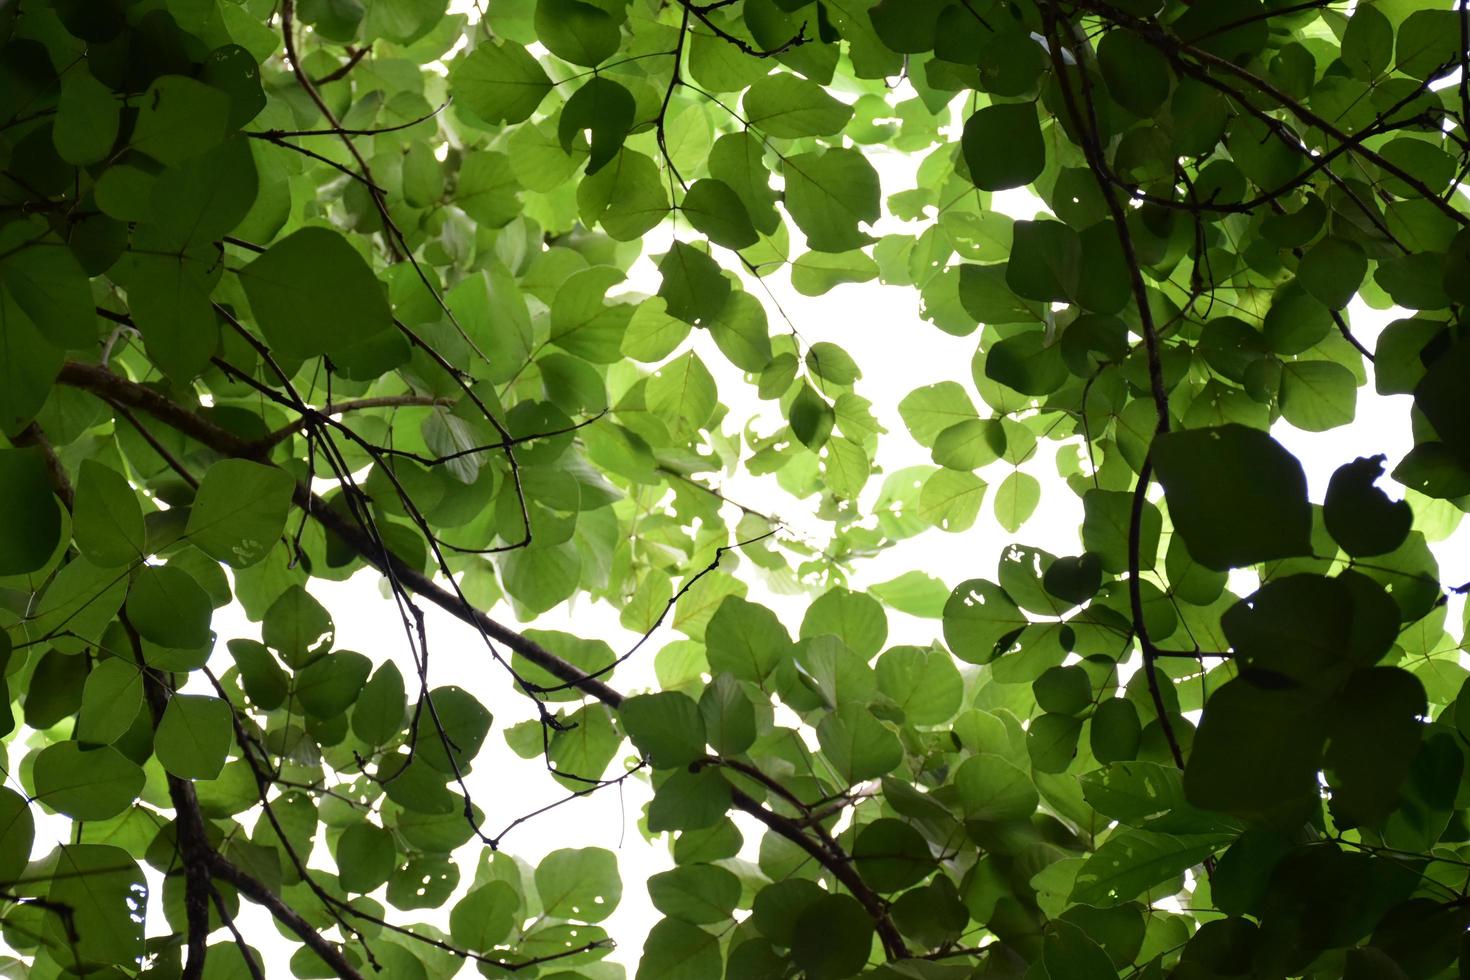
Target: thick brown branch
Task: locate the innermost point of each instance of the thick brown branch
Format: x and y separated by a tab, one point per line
893	945
194	849
258	893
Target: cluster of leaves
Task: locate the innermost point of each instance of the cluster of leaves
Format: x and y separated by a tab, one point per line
252	248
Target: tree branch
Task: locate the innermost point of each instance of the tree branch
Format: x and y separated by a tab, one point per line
127	392
258	893
1093	151
354	56
193	841
355	405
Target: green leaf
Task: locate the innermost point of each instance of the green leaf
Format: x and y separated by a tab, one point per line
812	417
992	789
265	683
1360	517
1116	731
689	800
30	365
1051	742
379	712
486	190
1256	755
1136	72
30	520
737	160
814	273
45	280
581	33
716	210
1374	735
1108	515
168	607
932	411
1318	395
313	294
857	744
1002	146
180	118
196	202
728	715
923	683
602	108
484	918
111	699
745	640
102	886
330	684
1367	42
847	467
585	750
193	736
86	784
1148	796
456	717
829	193
499	81
1016	499
668	728
830	362
1045	261
1427	42
833	938
170	300
1333	269
1070	955
693	288
627	196
1133	863
950	500
87	116
907	27
683	393
891	855
702	894
297	627
240	511
981	621
791	107
17	834
366	855
581	884
856	619
1234	494
1064	690
914	593
402	21
678	950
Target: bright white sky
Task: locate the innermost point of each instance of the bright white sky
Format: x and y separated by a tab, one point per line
898	352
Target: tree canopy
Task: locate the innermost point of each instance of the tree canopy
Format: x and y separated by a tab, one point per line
295	290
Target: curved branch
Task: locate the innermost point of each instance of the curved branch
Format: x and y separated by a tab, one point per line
341	72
